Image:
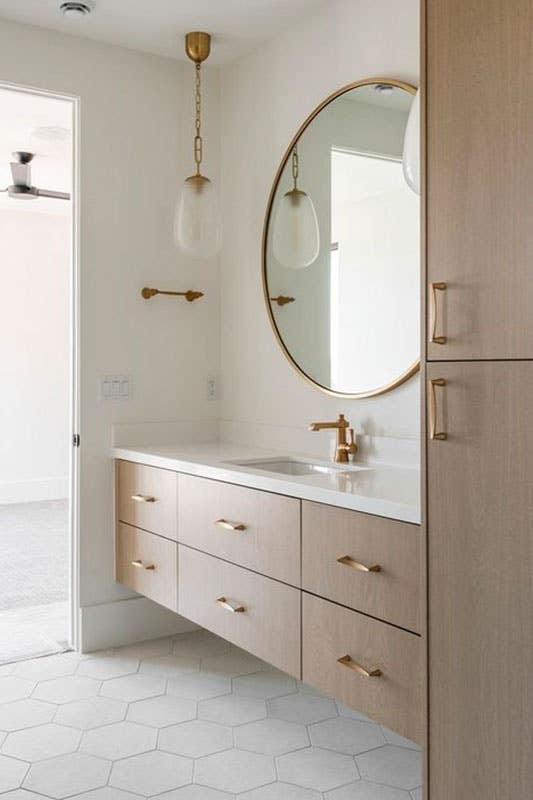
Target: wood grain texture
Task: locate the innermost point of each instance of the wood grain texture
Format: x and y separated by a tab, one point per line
270	543
331	632
269	627
480	174
159	584
393	594
480	574
159	516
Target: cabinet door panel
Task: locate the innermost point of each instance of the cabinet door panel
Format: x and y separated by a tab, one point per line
479	176
480	574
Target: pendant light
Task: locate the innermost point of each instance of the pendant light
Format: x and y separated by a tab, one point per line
411	146
296	236
197	228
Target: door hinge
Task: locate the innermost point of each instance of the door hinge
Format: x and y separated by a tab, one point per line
75	440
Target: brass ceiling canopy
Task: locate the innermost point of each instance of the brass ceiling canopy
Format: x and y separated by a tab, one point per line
198	46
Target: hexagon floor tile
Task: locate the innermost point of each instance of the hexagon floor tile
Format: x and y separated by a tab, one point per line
65	690
346	735
303	708
67	775
133	687
234	771
394	766
188	718
195	739
120	740
232	710
264	685
272	737
151	773
12	773
363	790
91	713
45	741
280	791
317	769
158	712
25	714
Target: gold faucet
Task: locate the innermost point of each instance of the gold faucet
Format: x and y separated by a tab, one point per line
343	449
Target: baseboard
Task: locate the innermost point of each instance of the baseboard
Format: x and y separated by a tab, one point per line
34	490
126	622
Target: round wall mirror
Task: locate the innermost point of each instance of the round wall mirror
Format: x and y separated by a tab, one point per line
341	245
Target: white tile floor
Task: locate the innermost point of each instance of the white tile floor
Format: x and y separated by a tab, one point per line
189	718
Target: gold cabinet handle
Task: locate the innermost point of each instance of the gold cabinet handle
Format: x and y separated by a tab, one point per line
433	433
440	286
229	606
230	526
143	498
357	565
347	661
139	564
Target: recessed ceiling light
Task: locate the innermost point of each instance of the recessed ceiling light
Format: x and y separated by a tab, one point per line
76	10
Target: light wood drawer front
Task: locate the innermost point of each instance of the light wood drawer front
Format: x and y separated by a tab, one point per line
268	540
148	564
147	498
269	625
394	698
360	540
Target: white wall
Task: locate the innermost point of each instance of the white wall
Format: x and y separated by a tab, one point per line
34	354
136	138
264	99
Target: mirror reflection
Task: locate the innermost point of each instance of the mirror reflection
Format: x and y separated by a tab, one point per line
341	257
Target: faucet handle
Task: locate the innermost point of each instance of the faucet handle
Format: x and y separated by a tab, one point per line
352	447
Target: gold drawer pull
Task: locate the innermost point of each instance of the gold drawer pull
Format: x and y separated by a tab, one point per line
347	661
351	562
433	433
440	286
139	564
143	498
229	606
230	526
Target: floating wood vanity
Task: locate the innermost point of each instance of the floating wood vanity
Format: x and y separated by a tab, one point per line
329	595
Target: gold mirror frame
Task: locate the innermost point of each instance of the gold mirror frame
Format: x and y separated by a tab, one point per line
414	368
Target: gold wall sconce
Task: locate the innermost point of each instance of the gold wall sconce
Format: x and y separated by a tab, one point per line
281	300
189	295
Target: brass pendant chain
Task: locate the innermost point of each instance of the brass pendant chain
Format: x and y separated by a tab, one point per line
198	106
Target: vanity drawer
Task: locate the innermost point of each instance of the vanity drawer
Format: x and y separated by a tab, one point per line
391	593
147	498
394	697
148	564
254	529
268	624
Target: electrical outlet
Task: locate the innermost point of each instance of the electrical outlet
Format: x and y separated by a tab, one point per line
115	387
212	388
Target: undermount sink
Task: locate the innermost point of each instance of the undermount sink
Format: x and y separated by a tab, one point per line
293	466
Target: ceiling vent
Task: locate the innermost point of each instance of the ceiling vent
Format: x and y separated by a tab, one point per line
75	10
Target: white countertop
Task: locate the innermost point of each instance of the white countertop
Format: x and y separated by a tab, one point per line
381	489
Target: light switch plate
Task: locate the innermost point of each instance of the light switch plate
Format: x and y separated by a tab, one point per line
115	387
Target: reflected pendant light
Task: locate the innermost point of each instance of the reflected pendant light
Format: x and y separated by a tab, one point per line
197	227
296	237
411	146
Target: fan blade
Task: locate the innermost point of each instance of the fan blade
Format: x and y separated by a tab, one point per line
21	173
56	195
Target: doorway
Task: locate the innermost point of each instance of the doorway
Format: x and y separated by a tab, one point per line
37	372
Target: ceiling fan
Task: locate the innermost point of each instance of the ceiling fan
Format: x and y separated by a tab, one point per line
21	174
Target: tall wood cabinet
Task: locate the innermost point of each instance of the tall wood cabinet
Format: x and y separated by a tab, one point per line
479	371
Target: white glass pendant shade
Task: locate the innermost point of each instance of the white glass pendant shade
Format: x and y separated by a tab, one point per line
296	237
411	146
197	227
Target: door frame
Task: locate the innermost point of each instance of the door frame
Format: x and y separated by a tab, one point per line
74	356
